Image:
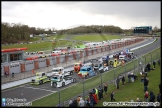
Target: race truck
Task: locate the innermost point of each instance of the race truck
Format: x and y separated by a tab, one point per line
128	53
40	78
115	62
86	71
61	70
124	57
105	60
77	66
103	68
98	65
59	80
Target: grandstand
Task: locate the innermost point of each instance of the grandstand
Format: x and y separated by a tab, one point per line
143	30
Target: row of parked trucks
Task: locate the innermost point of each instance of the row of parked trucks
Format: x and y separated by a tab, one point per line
61	76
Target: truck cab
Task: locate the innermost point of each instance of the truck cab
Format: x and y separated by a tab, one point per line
59	80
116	63
77	67
86	71
40	78
105	60
61	70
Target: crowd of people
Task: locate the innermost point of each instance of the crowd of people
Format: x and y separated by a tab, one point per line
98	93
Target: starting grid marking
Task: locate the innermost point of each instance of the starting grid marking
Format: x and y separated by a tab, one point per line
40	89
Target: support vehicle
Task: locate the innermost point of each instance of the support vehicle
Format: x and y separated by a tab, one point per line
40	78
58	80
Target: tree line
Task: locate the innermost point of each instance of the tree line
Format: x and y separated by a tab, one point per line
17	32
14	33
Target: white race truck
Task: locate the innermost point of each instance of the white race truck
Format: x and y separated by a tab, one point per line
99	66
61	70
59	80
103	68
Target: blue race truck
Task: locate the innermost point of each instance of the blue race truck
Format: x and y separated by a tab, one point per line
86	71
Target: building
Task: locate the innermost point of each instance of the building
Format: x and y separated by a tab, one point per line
13	54
143	30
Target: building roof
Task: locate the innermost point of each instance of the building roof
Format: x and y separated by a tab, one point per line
13	49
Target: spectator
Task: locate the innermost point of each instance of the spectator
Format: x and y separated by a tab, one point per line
102	92
33	71
81	103
93	91
78	99
159	62
87	102
138	100
74	104
145	84
6	74
117	82
159	97
13	75
152	97
92	101
112	96
146	96
99	93
160	87
70	102
154	63
95	98
129	77
132	77
148	67
123	80
105	88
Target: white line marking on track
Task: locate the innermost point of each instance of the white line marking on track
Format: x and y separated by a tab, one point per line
40	89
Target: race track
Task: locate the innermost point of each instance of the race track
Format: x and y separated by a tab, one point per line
31	92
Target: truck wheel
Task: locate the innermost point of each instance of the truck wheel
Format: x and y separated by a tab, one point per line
74	80
86	76
54	84
71	73
63	84
40	82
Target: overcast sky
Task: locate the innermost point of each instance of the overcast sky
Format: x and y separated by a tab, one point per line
62	15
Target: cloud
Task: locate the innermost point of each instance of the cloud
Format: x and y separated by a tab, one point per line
62	15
